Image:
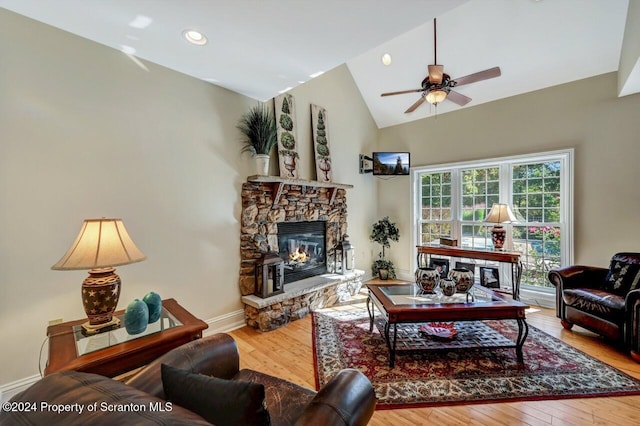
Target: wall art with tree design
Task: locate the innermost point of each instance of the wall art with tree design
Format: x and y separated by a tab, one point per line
319	124
285	111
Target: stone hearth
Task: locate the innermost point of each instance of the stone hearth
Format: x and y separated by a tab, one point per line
267	201
300	298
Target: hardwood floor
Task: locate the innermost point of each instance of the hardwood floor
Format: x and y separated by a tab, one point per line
287	353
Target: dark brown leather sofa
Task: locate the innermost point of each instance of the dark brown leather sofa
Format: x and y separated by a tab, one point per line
605	301
347	400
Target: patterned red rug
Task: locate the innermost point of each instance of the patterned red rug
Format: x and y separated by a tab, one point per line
551	370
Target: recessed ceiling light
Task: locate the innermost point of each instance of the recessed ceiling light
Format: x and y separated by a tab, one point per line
285	90
195	37
386	59
316	74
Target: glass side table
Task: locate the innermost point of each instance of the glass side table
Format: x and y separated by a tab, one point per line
96	342
116	352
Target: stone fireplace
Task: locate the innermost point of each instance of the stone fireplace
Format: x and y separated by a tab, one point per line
301	221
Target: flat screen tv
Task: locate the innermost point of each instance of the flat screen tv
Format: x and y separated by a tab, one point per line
391	163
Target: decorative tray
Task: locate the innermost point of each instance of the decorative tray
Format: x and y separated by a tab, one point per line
443	330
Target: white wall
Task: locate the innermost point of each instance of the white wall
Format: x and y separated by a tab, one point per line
86	133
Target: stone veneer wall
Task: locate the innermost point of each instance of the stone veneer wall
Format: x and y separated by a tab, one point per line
261	213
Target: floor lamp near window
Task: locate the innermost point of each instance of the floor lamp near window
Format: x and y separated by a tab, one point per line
100	245
499	214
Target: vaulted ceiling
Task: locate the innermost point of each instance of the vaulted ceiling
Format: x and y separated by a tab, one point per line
261	48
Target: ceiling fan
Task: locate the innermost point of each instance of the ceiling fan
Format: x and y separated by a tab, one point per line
437	85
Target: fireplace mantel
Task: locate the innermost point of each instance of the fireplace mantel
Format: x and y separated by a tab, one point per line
279	183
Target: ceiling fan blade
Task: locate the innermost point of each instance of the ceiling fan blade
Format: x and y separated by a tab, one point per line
416	105
478	76
402	92
435	73
458	98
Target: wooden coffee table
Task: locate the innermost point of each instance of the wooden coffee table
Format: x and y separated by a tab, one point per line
116	352
404	306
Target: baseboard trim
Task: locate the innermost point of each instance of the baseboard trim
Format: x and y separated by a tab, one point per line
221	324
225	323
9	389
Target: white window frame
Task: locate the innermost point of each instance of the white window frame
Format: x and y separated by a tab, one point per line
539	296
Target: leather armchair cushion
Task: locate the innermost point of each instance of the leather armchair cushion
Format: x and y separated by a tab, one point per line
286	401
221	402
600	303
624	274
114	403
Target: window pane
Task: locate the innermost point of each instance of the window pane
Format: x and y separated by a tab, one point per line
431	232
551	184
476	236
519	172
540	248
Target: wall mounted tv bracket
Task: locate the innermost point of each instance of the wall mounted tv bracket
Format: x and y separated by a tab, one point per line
366	164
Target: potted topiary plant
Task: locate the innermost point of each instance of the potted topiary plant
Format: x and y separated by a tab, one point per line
258	127
383	232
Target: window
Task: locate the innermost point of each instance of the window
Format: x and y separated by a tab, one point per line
453	200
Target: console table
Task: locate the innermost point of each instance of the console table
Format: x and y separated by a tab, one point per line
510	257
116	352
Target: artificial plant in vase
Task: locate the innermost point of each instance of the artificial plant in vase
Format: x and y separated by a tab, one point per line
383	232
258	127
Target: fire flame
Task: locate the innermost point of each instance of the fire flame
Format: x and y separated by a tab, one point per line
298	256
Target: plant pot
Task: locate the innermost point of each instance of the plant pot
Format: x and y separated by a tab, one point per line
383	274
289	162
262	164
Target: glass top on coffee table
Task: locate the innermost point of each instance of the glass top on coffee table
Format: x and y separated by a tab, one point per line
411	294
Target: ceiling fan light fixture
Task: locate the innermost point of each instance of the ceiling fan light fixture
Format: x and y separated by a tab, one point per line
435	96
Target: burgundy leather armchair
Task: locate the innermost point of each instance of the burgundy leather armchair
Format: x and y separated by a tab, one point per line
348	399
605	301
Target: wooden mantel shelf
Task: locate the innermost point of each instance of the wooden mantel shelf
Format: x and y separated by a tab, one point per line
280	182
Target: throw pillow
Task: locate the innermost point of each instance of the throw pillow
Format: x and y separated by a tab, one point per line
624	274
221	402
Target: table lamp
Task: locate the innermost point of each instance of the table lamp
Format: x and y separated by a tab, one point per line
100	245
499	214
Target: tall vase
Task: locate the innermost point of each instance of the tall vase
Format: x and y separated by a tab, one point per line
262	164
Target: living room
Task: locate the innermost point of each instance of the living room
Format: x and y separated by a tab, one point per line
88	133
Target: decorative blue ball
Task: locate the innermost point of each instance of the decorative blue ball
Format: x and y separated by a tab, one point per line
136	317
154	303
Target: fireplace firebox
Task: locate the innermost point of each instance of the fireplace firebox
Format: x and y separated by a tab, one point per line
302	247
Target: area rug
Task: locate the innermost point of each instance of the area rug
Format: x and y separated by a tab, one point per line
551	370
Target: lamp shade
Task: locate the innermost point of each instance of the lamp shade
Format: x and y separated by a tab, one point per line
101	243
500	213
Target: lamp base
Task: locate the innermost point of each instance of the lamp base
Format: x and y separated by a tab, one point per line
498	235
89	330
100	294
